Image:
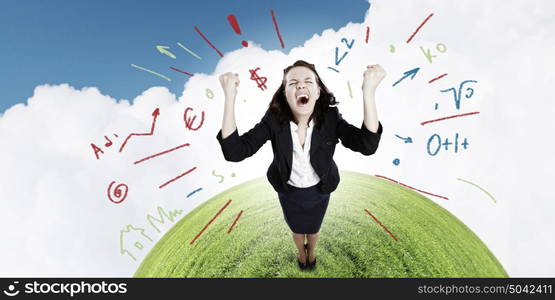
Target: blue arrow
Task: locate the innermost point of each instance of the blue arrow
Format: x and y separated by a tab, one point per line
407	74
407	140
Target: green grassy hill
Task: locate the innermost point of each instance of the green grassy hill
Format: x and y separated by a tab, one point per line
431	241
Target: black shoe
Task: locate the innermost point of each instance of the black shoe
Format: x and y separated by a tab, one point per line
302	266
311	264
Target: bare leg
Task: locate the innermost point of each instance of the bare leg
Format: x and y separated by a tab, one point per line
299	242
312	240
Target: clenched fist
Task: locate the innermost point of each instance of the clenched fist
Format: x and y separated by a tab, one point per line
372	77
229	82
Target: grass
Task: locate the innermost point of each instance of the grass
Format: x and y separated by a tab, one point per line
431	241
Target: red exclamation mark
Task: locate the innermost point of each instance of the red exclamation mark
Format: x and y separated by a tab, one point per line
233	22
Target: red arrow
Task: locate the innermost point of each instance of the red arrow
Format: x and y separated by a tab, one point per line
155	115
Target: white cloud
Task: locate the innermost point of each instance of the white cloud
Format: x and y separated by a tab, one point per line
56	218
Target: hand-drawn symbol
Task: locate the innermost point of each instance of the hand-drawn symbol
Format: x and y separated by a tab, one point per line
458	95
367	33
109	143
193	192
98	150
439	77
407	74
161	153
337	59
333	69
120	192
155	115
189	121
410	187
210	222
417	29
235	25
277	28
235	221
428	53
380	223
483	190
446	143
137	244
349	46
164	50
190	52
207	41
186	73
406	140
152	72
209	94
344	40
162	216
441	48
138	234
179	176
221	176
391	48
449	117
260	81
396	161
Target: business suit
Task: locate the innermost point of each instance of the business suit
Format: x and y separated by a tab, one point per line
324	138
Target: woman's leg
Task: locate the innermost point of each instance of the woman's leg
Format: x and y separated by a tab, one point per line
299	242
312	240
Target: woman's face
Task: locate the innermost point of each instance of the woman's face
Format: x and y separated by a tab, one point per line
301	91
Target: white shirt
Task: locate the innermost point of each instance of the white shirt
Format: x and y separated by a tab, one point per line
302	173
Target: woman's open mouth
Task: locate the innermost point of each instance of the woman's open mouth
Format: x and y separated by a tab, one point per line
302	100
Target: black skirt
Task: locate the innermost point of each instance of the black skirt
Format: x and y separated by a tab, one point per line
304	208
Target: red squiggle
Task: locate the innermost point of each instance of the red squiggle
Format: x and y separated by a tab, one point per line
161	153
177	70
234	222
189	121
155	115
117	192
210	222
449	117
439	77
382	225
174	179
277	28
410	187
367	33
207	41
417	29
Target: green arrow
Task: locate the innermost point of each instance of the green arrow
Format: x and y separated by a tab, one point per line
163	50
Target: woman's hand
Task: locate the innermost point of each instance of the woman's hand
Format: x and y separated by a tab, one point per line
229	82
372	78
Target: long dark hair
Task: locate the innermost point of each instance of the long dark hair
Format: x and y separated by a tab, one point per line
280	108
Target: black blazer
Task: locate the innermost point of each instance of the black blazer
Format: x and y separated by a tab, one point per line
324	138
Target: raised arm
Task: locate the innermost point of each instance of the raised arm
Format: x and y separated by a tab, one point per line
358	139
366	138
235	147
229	82
372	78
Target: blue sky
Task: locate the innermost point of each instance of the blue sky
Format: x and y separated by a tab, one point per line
94	43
